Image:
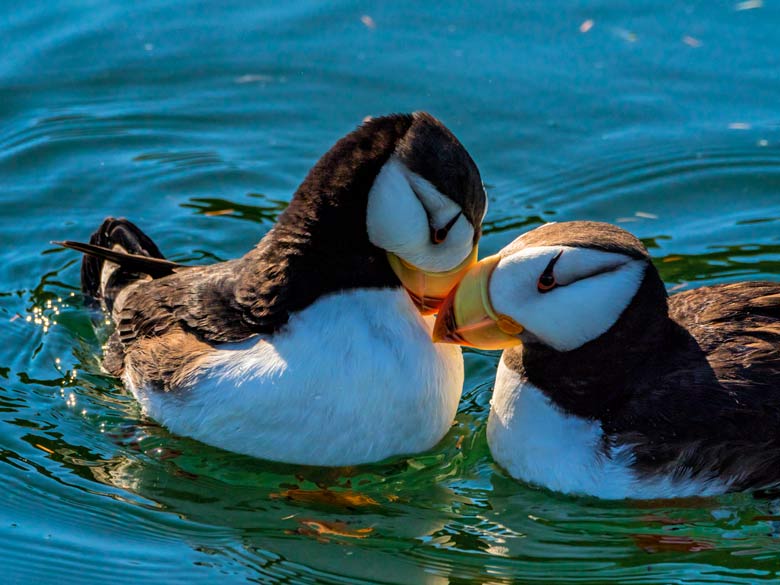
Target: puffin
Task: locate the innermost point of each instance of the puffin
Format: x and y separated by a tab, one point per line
314	348
609	387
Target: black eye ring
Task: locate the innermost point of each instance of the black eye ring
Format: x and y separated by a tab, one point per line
437	235
547	280
440	234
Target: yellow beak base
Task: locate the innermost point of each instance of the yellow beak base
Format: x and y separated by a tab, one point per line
429	289
467	317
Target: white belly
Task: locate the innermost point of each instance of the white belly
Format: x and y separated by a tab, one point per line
351	379
537	442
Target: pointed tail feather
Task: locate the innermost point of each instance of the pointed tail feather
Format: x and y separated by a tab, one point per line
117	255
154	267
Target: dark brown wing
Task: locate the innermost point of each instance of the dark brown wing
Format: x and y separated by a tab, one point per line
224	302
738	328
165	362
318	246
203	305
716	410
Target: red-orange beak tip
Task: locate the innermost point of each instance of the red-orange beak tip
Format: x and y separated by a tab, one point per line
445	322
427	289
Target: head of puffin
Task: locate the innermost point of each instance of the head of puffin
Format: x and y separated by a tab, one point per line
397	202
573	291
425	210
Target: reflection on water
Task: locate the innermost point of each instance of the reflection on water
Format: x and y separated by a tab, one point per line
264	214
661	117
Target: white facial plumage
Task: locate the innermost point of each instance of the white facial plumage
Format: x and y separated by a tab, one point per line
593	288
400	204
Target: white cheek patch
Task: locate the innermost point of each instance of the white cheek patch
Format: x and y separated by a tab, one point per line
395	218
440	209
588	308
567	316
397	221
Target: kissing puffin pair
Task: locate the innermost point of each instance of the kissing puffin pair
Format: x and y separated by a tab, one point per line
610	388
315	347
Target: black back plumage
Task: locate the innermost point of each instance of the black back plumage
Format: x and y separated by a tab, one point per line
319	244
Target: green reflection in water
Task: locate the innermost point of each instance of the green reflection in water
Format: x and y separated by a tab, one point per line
444	516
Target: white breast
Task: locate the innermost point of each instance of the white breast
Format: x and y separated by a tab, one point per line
537	442
351	379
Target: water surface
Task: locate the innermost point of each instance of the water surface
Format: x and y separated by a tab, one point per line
198	120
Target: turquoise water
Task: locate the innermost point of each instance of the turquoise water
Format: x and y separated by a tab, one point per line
198	121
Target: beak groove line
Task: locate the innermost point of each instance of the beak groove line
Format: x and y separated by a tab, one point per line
428	289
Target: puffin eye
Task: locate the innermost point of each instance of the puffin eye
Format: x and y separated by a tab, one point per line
547	281
438	235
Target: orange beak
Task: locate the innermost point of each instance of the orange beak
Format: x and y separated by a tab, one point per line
467	316
429	289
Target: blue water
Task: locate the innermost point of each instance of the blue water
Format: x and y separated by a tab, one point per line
199	120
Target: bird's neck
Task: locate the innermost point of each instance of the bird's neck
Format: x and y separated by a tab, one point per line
598	377
320	242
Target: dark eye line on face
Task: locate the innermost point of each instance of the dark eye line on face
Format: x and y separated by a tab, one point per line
437	235
547	280
440	234
605	270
